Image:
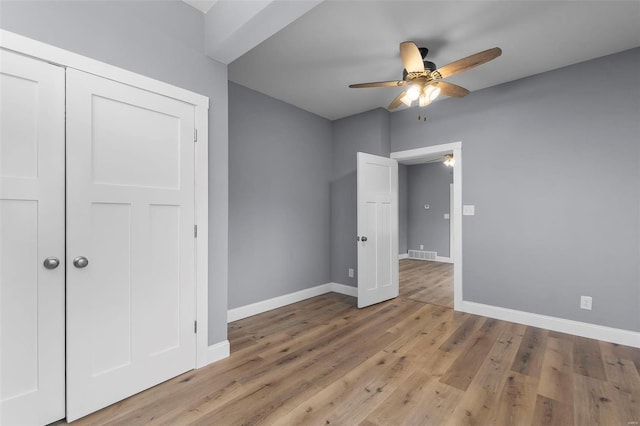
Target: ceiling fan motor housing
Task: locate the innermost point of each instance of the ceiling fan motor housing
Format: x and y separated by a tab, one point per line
428	66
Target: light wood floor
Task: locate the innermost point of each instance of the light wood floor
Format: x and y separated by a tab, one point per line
428	282
325	362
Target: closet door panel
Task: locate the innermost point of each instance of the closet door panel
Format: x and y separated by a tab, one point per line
32	101
130	212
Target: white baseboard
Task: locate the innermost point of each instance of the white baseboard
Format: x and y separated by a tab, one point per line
607	334
287	299
276	302
218	351
344	289
403	256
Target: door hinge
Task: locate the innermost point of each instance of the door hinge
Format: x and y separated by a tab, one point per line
195	326
195	231
195	135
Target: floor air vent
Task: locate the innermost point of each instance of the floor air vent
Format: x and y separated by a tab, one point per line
422	255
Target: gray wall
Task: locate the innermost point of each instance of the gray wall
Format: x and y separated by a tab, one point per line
163	40
403	208
429	184
279	202
367	132
552	164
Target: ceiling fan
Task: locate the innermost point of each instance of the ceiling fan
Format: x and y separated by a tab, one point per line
423	81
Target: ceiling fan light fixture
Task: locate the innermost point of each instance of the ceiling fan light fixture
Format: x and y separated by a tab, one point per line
449	161
413	93
423	81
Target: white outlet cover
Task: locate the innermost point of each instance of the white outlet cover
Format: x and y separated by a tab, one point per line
446	216
469	210
350	272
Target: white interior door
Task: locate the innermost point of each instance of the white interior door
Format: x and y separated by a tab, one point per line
130	215
31	230
377	229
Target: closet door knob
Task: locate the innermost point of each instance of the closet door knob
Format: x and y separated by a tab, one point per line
51	262
363	239
80	262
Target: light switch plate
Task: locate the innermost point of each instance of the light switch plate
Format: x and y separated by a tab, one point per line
469	210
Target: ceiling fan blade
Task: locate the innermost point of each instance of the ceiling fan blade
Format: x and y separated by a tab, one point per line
378	84
411	57
397	101
450	89
469	62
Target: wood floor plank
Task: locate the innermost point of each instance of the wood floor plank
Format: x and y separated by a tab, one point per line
466	366
476	407
427	282
549	412
436	324
420	400
351	398
497	363
517	401
530	355
597	402
620	370
458	339
556	377
587	358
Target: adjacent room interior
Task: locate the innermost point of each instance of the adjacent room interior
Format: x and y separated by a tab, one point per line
210	149
426	264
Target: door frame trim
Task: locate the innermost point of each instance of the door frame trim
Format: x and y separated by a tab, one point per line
57	56
429	154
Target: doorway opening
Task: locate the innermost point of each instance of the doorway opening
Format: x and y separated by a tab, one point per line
433	278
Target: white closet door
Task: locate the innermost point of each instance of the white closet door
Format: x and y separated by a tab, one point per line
31	230
130	213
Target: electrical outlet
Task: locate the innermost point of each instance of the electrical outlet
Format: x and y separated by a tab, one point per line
585	302
421	246
350	272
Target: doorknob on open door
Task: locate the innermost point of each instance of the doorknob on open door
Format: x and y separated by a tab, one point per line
80	262
363	239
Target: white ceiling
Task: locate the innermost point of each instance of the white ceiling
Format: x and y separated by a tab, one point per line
310	62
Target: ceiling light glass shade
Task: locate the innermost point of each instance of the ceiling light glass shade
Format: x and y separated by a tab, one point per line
413	93
432	92
406	100
424	100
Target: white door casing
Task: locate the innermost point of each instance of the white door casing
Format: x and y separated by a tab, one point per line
130	212
32	96
377	229
428	154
